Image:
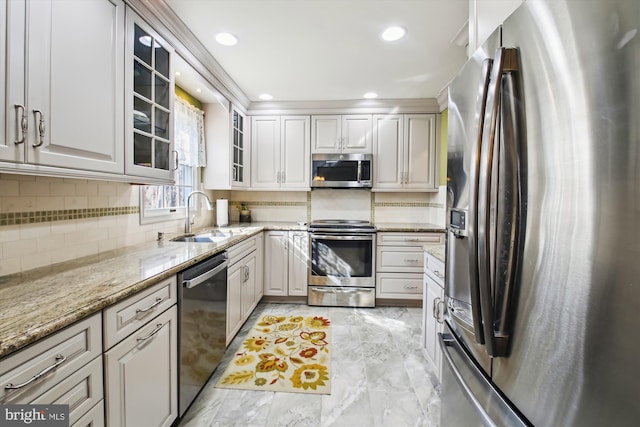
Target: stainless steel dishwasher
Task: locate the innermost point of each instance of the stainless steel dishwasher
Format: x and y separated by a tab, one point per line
202	302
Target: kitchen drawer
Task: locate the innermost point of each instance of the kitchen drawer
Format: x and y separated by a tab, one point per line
399	285
81	391
71	349
434	268
123	318
240	250
409	239
399	259
93	418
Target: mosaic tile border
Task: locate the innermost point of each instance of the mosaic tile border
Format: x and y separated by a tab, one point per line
238	203
406	205
17	218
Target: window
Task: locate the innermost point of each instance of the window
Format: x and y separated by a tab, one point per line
166	202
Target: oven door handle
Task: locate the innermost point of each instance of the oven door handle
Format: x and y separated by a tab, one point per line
339	237
192	283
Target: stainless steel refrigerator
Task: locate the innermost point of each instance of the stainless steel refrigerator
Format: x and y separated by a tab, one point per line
543	211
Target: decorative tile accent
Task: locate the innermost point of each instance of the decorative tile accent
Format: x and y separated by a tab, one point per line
17	218
234	203
406	205
309	207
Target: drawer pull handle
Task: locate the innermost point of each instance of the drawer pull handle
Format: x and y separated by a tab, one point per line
59	360
410	287
152	333
438	274
411	239
411	261
144	310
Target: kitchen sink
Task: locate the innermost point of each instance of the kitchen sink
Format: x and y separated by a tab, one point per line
210	236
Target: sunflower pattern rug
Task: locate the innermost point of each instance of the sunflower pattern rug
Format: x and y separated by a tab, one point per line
283	353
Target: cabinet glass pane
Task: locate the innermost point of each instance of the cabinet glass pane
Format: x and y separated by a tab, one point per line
161	124
236	155
235	120
142	45
162	155
162	60
240	126
141	115
240	140
141	80
141	150
240	174
162	92
240	157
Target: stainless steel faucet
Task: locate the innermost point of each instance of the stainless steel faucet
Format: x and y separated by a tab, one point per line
189	221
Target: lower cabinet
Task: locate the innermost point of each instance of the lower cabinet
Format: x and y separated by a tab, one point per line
141	369
244	283
286	257
64	368
399	264
433	309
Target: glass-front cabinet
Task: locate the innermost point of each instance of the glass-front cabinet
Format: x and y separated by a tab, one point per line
150	85
240	149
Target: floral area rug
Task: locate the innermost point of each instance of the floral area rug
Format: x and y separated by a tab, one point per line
283	353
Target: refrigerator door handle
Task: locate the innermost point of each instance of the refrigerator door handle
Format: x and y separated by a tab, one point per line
496	344
473	205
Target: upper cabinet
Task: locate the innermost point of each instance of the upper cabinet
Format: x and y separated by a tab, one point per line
240	149
280	152
149	86
405	152
341	133
62	79
485	16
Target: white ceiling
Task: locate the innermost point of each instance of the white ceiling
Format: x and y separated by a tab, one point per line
308	50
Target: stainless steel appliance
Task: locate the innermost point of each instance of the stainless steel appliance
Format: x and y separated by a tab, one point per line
543	203
342	263
202	302
341	170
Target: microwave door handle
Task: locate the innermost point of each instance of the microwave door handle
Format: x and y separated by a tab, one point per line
473	204
359	172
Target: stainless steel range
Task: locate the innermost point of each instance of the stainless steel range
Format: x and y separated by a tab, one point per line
342	266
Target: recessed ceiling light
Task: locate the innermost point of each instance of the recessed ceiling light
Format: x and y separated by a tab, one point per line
226	39
265	97
178	73
198	90
393	33
370	95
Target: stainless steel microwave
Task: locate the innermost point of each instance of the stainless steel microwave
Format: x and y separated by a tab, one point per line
341	170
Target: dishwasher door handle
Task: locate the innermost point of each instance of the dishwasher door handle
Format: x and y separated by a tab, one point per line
192	283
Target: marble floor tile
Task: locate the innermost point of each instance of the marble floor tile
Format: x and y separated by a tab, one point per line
379	377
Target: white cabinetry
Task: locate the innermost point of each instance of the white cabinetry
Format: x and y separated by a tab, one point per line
433	309
64	77
485	16
280	153
244	283
399	264
405	152
149	87
141	364
64	368
341	133
286	255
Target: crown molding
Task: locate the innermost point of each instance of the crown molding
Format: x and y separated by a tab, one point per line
356	106
160	16
443	98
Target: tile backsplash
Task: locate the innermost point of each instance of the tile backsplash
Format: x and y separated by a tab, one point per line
46	220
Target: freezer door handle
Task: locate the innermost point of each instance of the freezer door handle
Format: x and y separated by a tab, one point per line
491	407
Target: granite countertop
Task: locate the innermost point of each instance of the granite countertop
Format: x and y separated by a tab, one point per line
410	227
437	251
39	302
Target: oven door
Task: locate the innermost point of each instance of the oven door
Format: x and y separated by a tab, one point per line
342	260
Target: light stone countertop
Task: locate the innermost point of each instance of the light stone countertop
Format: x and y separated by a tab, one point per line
437	251
409	227
38	302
